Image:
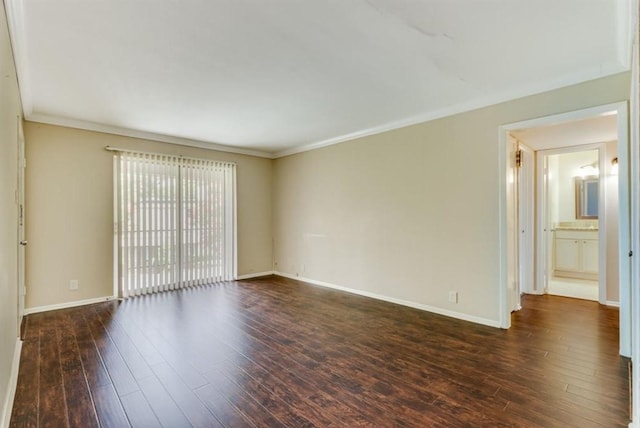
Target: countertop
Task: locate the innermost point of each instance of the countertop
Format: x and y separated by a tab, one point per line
582	229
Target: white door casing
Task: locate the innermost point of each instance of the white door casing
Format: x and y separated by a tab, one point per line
21	236
512	226
543	229
526	218
506	252
634	192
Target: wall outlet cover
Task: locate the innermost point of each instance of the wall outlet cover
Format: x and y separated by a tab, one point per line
453	296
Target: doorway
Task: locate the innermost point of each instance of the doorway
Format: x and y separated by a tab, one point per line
560	140
580	213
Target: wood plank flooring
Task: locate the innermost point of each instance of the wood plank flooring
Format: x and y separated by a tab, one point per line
273	352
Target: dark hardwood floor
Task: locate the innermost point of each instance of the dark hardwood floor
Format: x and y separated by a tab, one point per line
274	352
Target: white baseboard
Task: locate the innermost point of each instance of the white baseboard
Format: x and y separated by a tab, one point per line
614	304
66	305
255	275
427	308
11	386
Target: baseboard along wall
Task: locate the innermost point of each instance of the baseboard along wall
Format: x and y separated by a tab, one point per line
423	307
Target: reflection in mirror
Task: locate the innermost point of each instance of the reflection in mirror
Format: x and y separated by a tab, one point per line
587	197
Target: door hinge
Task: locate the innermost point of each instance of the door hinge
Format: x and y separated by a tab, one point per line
518	158
630	253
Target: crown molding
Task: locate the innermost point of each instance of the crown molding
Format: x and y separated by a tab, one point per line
627	30
126	132
627	16
529	90
15	20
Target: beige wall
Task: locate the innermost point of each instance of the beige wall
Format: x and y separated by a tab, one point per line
9	111
412	213
70	210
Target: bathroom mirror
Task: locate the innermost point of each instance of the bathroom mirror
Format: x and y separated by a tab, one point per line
587	197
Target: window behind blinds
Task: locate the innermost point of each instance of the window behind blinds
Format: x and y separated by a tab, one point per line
176	222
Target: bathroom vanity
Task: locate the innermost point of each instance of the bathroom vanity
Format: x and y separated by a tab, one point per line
576	252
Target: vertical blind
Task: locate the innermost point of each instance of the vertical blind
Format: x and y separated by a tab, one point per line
176	223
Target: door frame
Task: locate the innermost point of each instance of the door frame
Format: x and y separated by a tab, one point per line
621	109
526	219
511	205
543	232
634	190
20	235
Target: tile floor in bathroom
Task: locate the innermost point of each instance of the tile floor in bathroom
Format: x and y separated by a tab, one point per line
576	288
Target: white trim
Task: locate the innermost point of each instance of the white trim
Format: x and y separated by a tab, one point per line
234	232
17	34
254	275
612	304
66	305
504	315
627	21
624	229
603	164
423	307
634	192
11	386
526	213
145	135
503	130
542	232
422	118
459	108
601	110
116	227
15	17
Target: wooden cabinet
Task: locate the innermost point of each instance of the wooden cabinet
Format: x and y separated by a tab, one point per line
576	254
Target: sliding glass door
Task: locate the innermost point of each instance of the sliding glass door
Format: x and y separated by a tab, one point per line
176	222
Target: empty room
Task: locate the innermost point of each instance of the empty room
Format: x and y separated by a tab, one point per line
382	213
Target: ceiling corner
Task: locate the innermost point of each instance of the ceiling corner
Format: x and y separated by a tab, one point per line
144	135
15	20
627	30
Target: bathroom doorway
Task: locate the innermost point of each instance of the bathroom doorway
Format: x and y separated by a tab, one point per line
598	128
578	197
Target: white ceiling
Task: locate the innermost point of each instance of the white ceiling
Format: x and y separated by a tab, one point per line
596	129
277	77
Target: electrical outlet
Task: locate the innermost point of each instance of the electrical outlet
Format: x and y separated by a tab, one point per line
453	296
73	284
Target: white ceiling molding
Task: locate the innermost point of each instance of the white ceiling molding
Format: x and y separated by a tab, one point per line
17	34
627	18
273	81
109	129
450	111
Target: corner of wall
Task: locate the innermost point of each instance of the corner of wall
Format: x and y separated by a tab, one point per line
11	386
